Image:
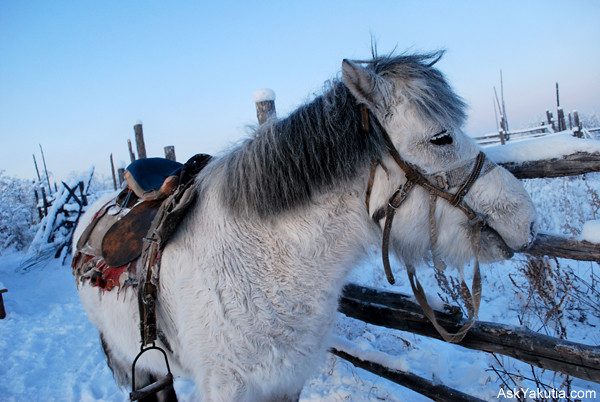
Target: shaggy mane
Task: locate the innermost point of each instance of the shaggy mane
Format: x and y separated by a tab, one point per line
320	145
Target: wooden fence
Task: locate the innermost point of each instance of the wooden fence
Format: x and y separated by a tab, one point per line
551	126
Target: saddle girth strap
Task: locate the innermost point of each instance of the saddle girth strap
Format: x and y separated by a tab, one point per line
147	295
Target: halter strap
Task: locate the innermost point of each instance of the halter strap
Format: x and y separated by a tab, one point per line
415	177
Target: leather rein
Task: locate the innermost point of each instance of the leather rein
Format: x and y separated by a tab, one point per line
414	177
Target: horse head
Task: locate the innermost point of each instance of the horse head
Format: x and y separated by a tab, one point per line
422	116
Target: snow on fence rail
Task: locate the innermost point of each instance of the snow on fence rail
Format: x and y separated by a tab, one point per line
434	391
531	132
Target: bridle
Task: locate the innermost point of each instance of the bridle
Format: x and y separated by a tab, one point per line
438	186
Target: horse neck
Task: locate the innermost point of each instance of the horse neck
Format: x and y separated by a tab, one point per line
330	235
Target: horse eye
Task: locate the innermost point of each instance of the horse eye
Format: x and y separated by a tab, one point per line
441	138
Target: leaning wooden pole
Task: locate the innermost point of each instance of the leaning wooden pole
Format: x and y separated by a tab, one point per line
139	140
503	104
503	127
265	105
434	391
397	311
45	170
130	148
37	171
500	130
112	169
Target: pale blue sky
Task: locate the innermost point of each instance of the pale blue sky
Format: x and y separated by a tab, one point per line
76	75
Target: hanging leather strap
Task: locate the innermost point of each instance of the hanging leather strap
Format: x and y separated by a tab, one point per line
370	182
394	203
472	305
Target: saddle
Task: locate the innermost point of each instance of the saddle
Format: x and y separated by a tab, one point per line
156	199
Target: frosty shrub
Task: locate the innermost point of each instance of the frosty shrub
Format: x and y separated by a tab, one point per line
554	296
17	212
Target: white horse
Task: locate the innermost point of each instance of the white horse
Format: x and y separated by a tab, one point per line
250	282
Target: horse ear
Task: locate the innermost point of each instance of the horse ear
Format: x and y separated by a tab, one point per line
366	86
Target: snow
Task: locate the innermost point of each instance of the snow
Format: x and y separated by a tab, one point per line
365	351
547	147
264	94
591	231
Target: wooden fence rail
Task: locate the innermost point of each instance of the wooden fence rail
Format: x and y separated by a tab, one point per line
398	311
569	165
435	391
564	247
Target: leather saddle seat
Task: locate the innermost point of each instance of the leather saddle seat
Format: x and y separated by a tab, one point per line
153	178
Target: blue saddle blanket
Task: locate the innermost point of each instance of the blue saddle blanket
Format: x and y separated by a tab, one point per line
150	173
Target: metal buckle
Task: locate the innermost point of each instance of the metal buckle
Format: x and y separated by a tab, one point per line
441	180
401	194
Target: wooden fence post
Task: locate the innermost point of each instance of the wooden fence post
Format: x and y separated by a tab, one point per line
570	122
45	204
265	105
83	197
2	310
170	152
37	203
131	154
112	169
550	119
121	172
560	115
578	133
139	140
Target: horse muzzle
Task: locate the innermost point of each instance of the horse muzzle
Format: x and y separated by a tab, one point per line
493	247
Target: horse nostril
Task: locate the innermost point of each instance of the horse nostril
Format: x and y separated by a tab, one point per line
530	238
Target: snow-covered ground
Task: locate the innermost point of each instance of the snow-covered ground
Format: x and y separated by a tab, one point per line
50	352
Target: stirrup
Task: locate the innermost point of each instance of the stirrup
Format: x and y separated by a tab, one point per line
155	387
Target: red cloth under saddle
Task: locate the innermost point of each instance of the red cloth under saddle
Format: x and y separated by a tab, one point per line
102	275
